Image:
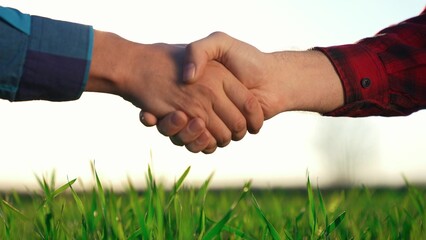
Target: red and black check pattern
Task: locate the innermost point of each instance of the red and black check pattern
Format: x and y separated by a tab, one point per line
384	75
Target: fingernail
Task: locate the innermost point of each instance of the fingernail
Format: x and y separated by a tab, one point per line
189	72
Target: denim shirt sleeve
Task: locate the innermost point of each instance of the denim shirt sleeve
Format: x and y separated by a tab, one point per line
41	58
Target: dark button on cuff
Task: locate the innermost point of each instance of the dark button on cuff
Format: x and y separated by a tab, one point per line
365	82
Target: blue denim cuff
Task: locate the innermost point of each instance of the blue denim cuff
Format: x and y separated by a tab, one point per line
57	61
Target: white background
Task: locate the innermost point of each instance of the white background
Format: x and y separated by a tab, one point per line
38	137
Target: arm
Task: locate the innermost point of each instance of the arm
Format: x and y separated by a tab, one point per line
57	68
153	86
382	75
282	81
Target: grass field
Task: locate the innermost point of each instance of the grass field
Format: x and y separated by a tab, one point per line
188	213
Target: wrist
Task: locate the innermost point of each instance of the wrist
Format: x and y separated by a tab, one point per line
310	82
106	74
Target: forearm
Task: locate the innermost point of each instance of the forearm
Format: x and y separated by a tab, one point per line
310	82
105	73
126	68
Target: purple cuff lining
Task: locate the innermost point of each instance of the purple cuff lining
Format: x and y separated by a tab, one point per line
51	77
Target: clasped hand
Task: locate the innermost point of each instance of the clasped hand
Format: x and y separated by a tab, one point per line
224	107
207	111
214	90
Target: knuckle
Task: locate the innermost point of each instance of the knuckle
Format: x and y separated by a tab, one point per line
218	34
240	125
196	126
251	104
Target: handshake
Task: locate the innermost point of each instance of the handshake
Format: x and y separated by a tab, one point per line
207	93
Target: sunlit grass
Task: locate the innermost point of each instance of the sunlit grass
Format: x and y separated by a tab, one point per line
185	212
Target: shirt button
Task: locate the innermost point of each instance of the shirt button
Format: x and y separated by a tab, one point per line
365	82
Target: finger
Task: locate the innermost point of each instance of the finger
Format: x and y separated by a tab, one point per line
247	104
200	52
209	150
223	107
211	147
201	143
176	141
231	116
216	126
147	119
195	128
172	123
192	136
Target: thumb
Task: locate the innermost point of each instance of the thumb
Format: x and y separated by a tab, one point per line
147	119
200	52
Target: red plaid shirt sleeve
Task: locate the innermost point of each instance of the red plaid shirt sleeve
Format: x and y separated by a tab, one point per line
384	75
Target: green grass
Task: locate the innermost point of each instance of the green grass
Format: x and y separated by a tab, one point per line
185	212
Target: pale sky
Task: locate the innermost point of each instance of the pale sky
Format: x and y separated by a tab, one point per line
38	137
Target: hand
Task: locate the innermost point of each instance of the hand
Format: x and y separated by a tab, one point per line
281	81
247	63
148	76
215	75
252	67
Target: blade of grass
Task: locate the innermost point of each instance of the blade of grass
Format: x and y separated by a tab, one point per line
78	201
6	222
63	188
416	197
271	228
149	206
217	228
43	185
150	177
333	225
322	207
115	223
136	207
287	235
235	231
201	199
80	207
14	210
202	193
159	212
137	234
52	183
312	212
100	193
177	187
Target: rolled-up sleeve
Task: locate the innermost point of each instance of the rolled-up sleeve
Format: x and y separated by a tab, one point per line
383	75
41	58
